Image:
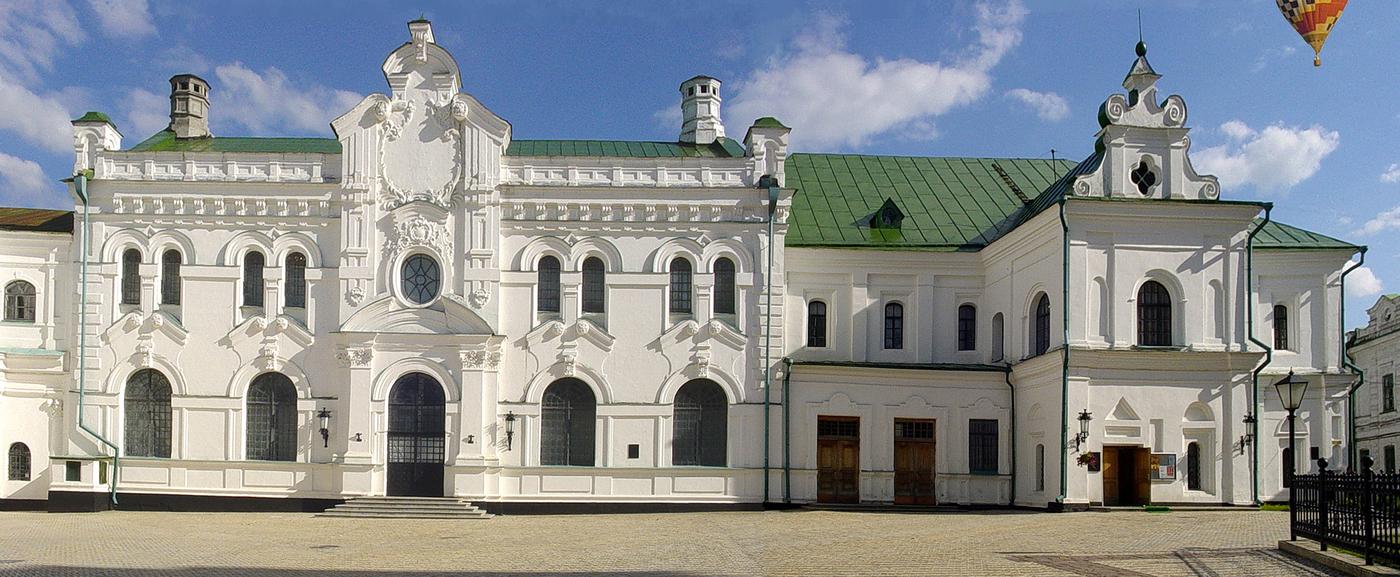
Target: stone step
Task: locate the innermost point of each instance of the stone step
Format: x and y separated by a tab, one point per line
407	508
385	515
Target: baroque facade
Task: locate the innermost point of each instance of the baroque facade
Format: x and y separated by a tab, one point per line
1374	348
426	305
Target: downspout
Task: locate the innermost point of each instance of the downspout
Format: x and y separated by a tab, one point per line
80	185
1352	461
1268	354
1007	372
1064	363
787	432
773	192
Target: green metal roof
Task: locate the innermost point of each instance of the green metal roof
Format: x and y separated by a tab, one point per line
768	122
949	203
165	141
723	148
1277	235
94	116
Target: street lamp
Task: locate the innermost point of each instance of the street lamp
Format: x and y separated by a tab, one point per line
510	428
1290	393
1247	438
324	415
1084	418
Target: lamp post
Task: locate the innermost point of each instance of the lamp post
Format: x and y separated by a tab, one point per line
1083	436
324	416
1290	392
510	428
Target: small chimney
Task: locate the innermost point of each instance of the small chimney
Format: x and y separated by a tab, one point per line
700	110
189	106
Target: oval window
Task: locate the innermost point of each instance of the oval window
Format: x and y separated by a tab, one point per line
421	279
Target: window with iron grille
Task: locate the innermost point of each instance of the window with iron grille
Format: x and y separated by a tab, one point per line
296	280
911	429
1042	324
170	277
998	337
894	326
724	286
1390	458
680	286
1154	315
417	420
700	434
253	265
548	289
967	328
1388	393
567	424
19	462
1040	467
816	324
131	277
1280	327
272	418
1193	467
146	412
595	288
20	302
838	427
982	446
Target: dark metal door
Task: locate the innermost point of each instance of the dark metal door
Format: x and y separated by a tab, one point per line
417	436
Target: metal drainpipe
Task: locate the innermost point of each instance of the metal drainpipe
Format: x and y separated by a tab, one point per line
1064	364
80	184
1007	373
773	192
1346	362
787	432
1268	353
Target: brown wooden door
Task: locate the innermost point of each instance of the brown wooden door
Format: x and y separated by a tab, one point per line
838	459
1144	477
1109	474
913	462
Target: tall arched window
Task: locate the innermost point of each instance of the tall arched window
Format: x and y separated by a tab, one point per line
1040	467
170	277
272	418
1280	327
816	324
1042	324
20	302
19	462
131	277
998	337
700	429
724	286
548	289
296	280
595	288
967	328
1154	315
680	286
1193	466
567	423
253	264
146	411
894	326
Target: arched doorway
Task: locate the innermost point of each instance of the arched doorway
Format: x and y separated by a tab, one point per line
417	436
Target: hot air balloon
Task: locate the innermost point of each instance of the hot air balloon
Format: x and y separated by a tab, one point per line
1313	19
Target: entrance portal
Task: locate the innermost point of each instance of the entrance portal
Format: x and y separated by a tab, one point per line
838	459
417	436
1126	476
913	462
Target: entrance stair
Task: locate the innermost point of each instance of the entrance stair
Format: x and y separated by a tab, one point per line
880	508
406	508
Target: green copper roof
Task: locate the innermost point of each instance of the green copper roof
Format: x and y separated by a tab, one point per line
768	122
949	203
94	116
1277	235
165	141
723	148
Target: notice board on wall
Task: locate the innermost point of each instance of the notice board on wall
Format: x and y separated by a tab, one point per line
1163	466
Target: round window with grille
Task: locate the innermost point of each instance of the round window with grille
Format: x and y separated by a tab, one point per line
421	279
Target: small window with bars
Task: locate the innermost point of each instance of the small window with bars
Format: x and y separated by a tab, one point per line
131	277
19	462
967	328
724	287
170	277
681	283
20	302
982	446
816	324
253	264
894	326
595	288
296	280
548	285
838	427
915	430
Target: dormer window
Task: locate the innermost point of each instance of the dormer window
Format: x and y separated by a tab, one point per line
1144	177
888	217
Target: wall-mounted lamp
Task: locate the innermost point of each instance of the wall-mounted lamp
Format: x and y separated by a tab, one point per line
510	428
324	415
1084	418
1247	438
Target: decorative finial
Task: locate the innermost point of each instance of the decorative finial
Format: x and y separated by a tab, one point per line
1141	48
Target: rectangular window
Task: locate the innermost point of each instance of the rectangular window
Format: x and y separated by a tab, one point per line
894	326
1388	393
982	446
1040	467
73	471
1390	458
967	328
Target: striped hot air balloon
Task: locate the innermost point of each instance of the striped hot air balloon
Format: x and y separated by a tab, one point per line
1313	19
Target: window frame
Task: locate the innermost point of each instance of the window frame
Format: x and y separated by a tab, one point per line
279	410
817	337
700	425
548	293
967	327
1154	315
158	393
254	263
681	288
1040	339
131	277
725	294
984	446
171	282
21	462
894	326
593	294
1281	340
998	337
294	283
1388	393
1040	467
572	442
407	292
21	302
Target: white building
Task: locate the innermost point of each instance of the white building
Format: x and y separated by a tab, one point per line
584	324
1374	349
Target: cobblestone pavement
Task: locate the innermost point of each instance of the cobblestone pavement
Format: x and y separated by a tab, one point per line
796	543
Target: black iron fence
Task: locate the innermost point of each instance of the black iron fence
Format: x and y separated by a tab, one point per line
1357	511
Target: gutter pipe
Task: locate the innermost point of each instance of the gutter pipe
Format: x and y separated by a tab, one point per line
1012	500
773	192
787	432
1064	363
1352	462
1268	354
80	186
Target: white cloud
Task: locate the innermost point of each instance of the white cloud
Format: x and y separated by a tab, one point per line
23	181
1388	220
32	32
40	119
841	99
1362	282
146	113
1047	105
1273	159
1270	55
1391	174
124	18
270	103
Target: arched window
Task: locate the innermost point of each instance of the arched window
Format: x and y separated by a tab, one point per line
548	289
680	286
894	326
816	324
724	286
272	418
700	429
967	328
19	462
1042	324
1154	315
296	280
253	264
567	424
1193	467
170	277
147	414
998	337
20	302
595	288
1040	467
1281	327
131	277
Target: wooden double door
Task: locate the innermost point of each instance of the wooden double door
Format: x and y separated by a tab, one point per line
914	448
1126	476
838	459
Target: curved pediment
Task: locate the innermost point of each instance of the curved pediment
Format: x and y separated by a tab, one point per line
445	317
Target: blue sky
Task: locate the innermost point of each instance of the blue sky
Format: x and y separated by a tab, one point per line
941	77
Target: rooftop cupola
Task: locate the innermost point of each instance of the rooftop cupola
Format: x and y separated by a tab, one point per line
189	106
1142	79
700	110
